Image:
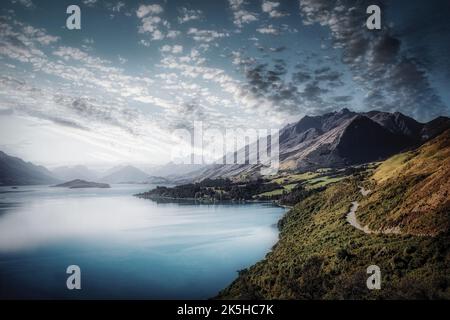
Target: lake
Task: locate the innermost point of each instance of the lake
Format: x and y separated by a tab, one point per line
126	247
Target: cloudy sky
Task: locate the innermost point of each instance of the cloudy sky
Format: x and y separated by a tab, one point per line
113	91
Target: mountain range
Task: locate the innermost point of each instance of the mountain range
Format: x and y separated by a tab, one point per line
339	139
332	140
15	171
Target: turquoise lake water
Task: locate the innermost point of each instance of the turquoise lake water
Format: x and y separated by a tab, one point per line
125	247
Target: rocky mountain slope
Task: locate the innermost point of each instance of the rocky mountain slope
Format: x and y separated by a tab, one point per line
15	171
340	139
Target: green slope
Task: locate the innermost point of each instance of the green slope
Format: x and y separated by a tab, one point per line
321	256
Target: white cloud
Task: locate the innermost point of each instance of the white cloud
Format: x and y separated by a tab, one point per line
172	34
39	35
121	59
68	53
150	24
145	43
152	9
89	3
240	15
25	3
189	15
85	124
206	35
270	29
175	49
191	67
271	8
98	97
23	42
88	41
153	24
157	35
118	6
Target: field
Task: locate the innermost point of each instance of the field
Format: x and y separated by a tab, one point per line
309	180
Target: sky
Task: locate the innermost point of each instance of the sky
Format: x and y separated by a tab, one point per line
114	91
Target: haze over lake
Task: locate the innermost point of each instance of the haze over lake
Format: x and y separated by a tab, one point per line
126	247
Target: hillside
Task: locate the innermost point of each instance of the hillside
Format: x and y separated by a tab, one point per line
15	171
319	255
412	191
340	139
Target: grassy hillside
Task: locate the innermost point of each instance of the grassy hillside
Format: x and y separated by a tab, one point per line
320	256
412	191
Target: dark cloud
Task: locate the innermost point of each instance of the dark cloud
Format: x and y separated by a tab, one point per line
257	79
194	110
313	92
61	121
301	76
328	75
425	29
393	78
264	79
95	111
185	115
342	99
309	87
385	49
322	70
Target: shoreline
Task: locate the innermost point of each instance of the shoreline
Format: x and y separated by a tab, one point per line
206	201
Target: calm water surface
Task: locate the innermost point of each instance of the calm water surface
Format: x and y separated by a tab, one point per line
126	247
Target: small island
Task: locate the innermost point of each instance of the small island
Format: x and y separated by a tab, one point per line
78	183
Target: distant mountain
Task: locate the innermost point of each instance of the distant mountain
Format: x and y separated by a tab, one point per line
66	173
342	138
177	173
125	174
172	170
130	174
15	171
112	170
78	183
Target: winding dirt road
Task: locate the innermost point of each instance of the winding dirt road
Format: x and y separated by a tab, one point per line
351	215
353	221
